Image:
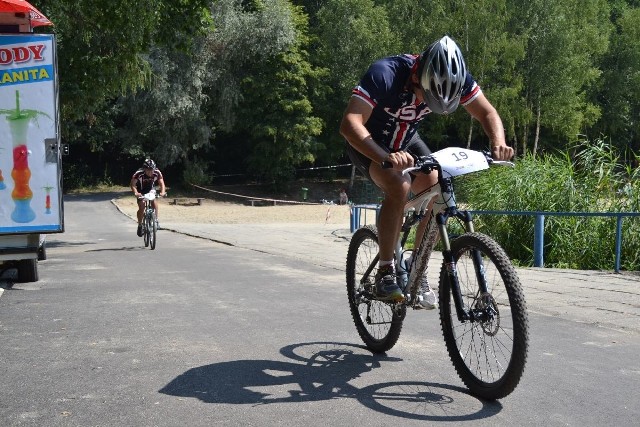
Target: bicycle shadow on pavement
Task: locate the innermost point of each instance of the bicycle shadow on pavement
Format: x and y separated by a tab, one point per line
123	248
323	371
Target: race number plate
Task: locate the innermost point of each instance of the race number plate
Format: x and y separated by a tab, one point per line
460	161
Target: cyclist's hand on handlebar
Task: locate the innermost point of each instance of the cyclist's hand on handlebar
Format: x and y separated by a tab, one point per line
163	194
399	160
138	195
502	152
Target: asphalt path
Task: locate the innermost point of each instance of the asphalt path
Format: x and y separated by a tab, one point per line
203	333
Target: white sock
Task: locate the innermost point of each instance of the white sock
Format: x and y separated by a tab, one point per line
384	263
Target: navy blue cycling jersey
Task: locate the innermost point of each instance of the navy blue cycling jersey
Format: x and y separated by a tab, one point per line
386	87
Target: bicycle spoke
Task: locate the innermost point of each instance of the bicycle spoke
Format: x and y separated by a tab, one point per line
378	323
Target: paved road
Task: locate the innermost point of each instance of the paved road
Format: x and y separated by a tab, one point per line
248	325
601	298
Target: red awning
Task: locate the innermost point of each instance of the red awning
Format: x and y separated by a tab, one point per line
35	16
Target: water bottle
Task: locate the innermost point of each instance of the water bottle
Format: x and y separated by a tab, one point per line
403	270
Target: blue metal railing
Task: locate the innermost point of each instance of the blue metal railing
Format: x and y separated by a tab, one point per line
359	214
538	228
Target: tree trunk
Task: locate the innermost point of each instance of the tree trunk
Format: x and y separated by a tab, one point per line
535	141
353	178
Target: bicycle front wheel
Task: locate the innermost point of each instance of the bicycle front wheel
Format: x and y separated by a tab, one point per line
378	323
145	231
489	352
153	230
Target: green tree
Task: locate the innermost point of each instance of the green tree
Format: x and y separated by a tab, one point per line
245	37
564	40
102	55
277	112
167	119
101	45
349	35
619	94
491	50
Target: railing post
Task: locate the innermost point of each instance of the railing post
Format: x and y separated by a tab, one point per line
538	241
618	242
355	218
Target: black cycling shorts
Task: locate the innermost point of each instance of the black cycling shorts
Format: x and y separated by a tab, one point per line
416	146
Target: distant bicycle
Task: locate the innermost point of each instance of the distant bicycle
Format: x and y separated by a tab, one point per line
149	220
482	307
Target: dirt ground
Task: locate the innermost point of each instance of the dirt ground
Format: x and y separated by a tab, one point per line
241	212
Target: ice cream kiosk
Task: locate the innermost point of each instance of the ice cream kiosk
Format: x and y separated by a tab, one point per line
30	153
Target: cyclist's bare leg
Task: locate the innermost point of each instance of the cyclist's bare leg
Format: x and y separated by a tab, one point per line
396	189
155	206
140	212
420	183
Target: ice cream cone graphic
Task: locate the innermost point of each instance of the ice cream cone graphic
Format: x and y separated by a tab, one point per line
19	121
47	201
2	184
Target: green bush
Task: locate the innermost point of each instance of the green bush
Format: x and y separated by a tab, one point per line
196	173
591	178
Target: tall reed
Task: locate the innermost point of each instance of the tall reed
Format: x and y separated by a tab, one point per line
591	177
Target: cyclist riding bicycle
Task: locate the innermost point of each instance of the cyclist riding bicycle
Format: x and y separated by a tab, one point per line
380	124
142	182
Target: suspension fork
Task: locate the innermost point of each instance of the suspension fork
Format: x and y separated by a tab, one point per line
452	271
476	255
450	266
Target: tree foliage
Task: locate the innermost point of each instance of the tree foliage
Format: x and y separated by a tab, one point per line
619	90
102	45
166	120
345	44
277	111
259	86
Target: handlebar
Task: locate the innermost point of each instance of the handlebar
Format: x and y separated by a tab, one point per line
156	196
428	163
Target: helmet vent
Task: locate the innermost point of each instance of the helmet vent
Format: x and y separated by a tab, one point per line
443	72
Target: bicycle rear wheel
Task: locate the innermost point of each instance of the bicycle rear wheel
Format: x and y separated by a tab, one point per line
378	323
153	230
490	352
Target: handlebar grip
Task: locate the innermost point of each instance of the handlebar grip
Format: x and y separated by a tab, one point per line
386	164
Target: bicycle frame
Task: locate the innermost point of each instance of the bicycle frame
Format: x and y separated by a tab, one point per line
443	209
149	210
442	198
148	200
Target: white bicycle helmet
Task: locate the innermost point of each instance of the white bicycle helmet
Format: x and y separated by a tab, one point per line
149	164
442	73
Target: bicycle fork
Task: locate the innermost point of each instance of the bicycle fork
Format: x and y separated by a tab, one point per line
462	313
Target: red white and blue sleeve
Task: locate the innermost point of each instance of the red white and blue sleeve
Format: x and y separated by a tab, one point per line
470	91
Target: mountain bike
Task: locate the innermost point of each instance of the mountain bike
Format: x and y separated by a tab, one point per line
149	221
483	313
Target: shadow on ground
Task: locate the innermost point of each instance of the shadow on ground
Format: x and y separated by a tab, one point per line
323	371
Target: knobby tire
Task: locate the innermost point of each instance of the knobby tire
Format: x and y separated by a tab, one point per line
382	330
145	231
154	229
489	356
